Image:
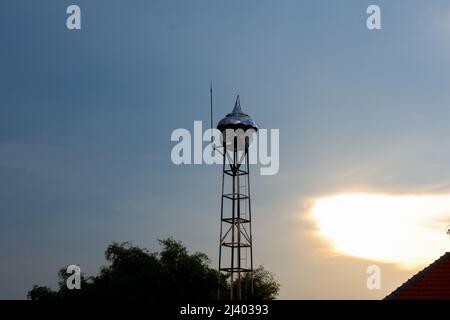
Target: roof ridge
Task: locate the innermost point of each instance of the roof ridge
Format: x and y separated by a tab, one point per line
414	279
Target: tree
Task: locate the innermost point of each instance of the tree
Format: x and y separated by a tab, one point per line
174	273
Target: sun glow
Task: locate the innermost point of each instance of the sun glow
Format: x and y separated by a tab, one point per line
405	230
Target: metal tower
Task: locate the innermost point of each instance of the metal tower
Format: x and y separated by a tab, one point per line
235	249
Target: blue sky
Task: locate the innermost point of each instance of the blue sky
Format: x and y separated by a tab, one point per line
86	118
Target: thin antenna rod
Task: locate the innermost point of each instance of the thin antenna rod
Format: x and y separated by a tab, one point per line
211	108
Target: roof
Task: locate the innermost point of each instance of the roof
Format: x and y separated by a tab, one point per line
433	282
237	119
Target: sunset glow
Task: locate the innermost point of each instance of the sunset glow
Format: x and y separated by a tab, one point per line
406	230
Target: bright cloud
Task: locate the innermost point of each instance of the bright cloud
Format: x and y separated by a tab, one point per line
406	230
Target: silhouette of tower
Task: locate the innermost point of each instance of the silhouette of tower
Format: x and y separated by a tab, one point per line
236	245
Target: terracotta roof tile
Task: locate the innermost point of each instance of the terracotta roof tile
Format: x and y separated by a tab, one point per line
433	282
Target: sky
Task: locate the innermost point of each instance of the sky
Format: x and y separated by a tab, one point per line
86	118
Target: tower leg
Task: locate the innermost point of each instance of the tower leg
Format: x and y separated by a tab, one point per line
250	223
233	224
238	234
219	280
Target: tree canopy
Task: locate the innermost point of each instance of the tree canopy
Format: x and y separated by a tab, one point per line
172	274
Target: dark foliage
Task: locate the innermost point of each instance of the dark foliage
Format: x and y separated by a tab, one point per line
136	274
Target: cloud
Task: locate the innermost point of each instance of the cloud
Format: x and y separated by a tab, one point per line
407	230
